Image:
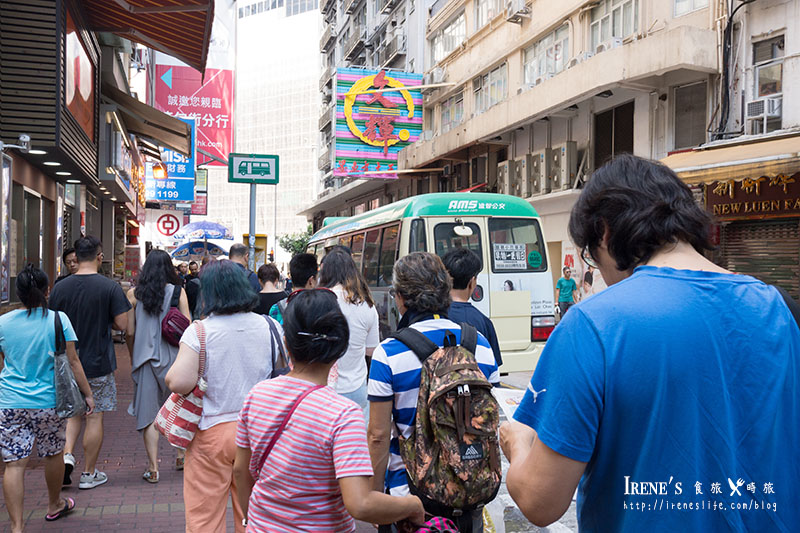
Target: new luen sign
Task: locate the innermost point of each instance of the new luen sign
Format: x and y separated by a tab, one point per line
253	168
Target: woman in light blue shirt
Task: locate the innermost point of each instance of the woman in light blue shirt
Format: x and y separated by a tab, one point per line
28	395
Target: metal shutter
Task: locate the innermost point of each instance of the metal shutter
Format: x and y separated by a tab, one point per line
768	250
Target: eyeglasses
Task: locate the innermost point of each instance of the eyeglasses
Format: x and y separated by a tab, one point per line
587	258
298	291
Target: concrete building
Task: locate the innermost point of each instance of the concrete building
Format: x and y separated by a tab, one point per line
374	34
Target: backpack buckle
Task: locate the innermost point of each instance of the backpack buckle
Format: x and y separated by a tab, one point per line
463	390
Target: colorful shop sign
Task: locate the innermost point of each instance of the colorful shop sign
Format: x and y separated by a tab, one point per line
372	127
754	197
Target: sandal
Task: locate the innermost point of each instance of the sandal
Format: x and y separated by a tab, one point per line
69	505
150	476
179	463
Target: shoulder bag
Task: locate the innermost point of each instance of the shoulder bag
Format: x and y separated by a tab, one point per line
69	398
180	415
174	323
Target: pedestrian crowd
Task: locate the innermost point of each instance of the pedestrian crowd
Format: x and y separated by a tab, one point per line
309	421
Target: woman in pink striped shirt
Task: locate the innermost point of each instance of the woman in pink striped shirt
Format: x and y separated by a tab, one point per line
302	462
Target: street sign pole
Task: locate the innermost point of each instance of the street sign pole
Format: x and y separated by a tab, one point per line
252	236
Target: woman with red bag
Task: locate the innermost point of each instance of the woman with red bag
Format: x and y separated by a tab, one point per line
157	290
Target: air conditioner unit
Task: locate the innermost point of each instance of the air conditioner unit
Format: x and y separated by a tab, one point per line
614	42
760	112
504	170
427	135
574	61
565	165
516	10
522	169
544	77
586	55
539	175
438	75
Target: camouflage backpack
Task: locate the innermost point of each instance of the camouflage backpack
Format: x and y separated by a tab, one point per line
452	456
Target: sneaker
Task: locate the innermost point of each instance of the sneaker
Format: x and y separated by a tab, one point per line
69	465
90	481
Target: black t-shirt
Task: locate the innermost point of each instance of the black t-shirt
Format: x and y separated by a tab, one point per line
267	300
466	312
91	302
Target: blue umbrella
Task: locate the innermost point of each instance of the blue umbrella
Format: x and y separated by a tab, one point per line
201	230
196	250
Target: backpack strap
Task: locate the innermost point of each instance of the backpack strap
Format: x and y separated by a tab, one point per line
469	337
417	342
176	296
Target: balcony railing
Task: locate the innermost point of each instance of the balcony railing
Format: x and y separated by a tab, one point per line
326	117
350	5
327	38
390	50
324	162
324	5
387	6
326	76
354	43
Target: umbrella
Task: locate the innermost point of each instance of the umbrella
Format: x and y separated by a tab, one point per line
201	230
196	250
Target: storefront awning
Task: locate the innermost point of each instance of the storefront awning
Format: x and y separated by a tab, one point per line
148	122
179	28
734	161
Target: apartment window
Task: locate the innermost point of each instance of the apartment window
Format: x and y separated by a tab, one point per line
613	133
614	18
547	56
768	62
690	115
486	10
687	6
491	88
448	38
452	112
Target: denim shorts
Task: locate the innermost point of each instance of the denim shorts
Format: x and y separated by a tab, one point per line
104	390
19	428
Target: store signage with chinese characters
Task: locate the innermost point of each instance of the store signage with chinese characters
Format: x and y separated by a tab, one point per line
180	166
372	127
756	197
168	189
200	204
180	91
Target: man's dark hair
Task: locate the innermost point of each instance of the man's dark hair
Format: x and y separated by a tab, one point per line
225	290
302	267
66	253
316	330
268	272
87	248
643	205
463	265
238	250
564	269
193	263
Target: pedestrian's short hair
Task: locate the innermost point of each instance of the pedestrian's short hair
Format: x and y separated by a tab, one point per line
643	205
238	250
66	254
225	290
564	270
268	272
423	282
193	263
301	268
462	264
316	331
87	248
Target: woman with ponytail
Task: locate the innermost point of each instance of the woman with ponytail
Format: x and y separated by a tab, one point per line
28	395
310	470
158	287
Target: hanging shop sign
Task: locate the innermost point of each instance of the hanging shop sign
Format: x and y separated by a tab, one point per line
754	197
371	128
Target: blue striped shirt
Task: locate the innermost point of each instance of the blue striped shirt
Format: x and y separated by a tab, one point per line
394	375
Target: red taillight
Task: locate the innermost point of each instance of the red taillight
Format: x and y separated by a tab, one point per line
541	333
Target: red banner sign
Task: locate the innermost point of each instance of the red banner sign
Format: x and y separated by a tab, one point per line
200	204
179	92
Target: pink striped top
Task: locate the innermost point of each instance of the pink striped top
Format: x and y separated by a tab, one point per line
324	440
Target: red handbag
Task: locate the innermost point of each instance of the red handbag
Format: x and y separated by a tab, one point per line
180	415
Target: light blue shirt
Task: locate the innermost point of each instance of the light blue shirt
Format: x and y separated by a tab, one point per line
28	344
679	389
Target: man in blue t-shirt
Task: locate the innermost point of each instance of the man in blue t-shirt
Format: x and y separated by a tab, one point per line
669	399
566	291
464	265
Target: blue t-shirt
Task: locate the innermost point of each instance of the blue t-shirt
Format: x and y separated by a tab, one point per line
680	390
394	376
28	344
466	312
565	289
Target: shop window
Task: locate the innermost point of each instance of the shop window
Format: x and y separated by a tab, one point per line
5	230
613	19
547	57
690	115
613	133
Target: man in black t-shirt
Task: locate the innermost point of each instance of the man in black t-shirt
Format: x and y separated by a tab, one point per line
94	304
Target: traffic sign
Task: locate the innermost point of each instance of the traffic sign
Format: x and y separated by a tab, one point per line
253	168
